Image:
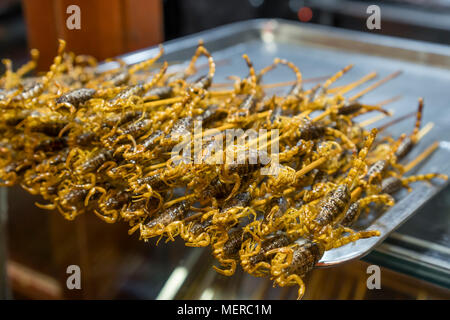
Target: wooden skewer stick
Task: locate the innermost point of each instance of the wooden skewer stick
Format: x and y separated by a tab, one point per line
273	85
422	156
378	117
157	166
375	85
368	107
351	86
390	123
264	146
257	140
163	102
230	125
322	115
173	100
356	193
291	83
425	130
336	76
174	201
330	81
193	217
310	167
388	101
301	115
220	93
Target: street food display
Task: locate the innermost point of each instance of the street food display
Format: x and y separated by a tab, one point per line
144	145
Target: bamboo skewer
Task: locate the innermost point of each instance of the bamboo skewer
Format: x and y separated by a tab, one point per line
378	117
347	88
422	156
375	85
273	85
425	130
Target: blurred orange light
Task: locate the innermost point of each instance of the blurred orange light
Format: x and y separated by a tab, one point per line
305	14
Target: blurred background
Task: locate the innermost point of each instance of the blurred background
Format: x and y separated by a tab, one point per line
115	265
112	27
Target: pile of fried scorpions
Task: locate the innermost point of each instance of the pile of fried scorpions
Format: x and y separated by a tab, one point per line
105	143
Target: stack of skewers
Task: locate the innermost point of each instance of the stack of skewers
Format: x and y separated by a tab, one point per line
125	144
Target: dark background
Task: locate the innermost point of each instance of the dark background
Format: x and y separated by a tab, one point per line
427	20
